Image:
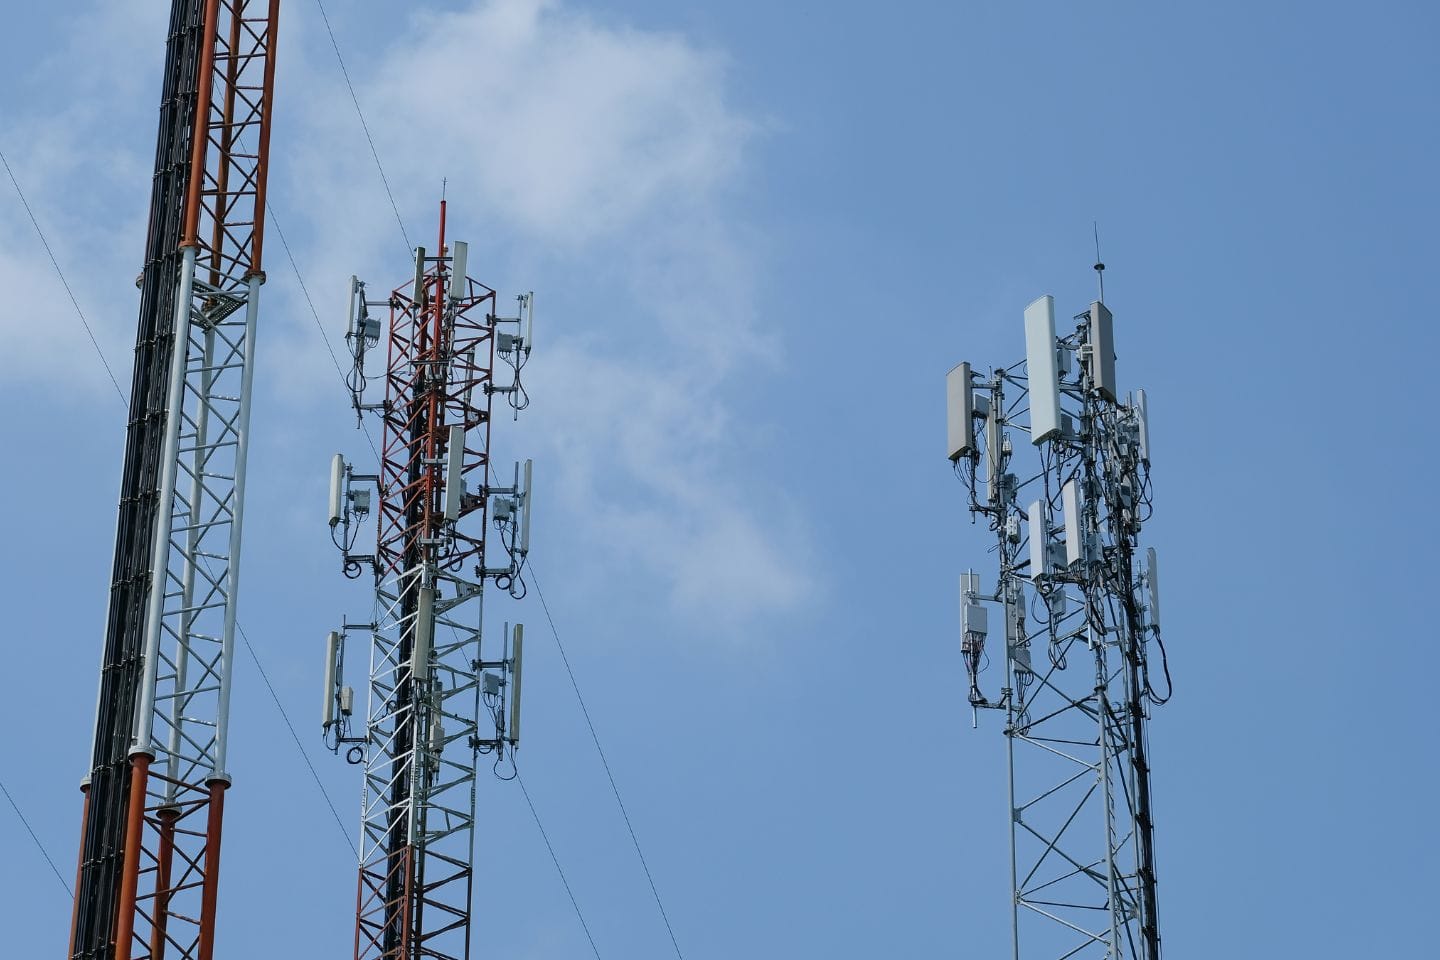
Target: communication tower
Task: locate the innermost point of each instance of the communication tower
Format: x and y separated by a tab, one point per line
1057	461
436	703
148	875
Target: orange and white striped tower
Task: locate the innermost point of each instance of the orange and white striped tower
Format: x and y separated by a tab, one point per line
148	876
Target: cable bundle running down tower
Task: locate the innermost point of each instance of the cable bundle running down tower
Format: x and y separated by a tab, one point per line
150	837
430	684
1081	619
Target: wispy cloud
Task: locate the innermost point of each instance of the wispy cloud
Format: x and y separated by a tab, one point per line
606	161
77	146
601	164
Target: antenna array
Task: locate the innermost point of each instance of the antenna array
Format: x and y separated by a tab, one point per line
1080	615
435	703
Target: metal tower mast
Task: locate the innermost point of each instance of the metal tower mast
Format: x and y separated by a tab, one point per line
1081	620
154	798
430	684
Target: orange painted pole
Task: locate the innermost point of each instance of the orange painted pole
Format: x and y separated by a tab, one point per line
211	889
80	860
130	868
227	138
163	862
359	901
406	915
201	137
268	97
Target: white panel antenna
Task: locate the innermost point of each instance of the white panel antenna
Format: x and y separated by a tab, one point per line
1102	350
1043	369
960	411
350	318
1039	540
1152	580
993	454
1072	504
337	492
454	467
1014	615
458	285
517	655
1142	417
424	634
332	653
529	322
469	368
437	736
524	548
969	584
420	277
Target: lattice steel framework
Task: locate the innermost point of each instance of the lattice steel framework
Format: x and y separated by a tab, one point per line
1081	634
177	695
426	691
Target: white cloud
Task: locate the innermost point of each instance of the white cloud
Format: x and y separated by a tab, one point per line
568	130
77	149
600	157
599	163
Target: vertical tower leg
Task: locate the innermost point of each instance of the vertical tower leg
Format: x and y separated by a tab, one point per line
164	863
80	858
211	888
130	875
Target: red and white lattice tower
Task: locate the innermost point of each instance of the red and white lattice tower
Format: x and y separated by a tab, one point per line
430	685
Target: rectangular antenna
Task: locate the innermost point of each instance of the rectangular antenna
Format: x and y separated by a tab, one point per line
437	735
354	293
1142	415
525	514
337	480
517	659
959	411
419	277
1102	350
529	321
969	584
458	286
1043	369
1152	580
992	452
1039	540
454	467
1074	543
332	653
1014	614
424	632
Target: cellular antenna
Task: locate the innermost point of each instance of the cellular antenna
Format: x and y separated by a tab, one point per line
443	692
1099	264
1077	604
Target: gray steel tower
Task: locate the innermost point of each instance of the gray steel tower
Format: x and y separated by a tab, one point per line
1057	461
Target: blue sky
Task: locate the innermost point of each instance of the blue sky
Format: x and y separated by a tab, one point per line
760	234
